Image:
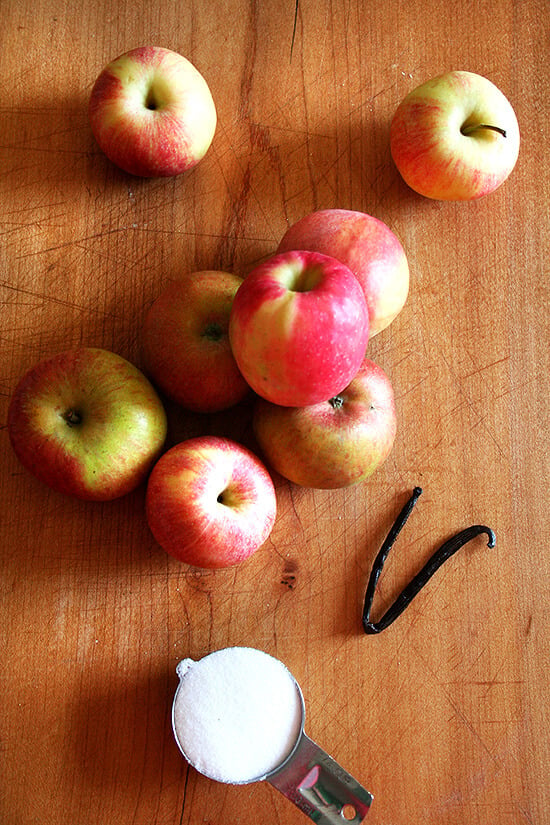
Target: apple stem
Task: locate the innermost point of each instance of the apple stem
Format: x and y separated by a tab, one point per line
337	402
468	130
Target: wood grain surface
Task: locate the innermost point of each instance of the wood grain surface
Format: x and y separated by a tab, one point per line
444	716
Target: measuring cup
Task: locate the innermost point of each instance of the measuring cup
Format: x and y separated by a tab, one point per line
308	776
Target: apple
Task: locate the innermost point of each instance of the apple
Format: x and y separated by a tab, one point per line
87	423
455	137
299	328
185	342
336	443
368	247
152	113
210	502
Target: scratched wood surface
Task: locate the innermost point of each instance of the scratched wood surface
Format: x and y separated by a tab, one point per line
444	716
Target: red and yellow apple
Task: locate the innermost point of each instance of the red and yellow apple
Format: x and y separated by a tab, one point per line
368	247
87	423
152	112
185	342
455	137
210	502
299	328
336	443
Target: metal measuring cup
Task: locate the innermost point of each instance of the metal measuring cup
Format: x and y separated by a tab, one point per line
308	776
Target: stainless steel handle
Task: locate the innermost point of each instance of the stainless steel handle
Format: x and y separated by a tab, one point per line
320	787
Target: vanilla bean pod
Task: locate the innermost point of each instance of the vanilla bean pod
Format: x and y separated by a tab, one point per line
447	549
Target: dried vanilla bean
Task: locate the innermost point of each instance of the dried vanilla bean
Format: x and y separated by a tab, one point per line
447	549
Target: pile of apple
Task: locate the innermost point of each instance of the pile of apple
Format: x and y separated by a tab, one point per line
293	333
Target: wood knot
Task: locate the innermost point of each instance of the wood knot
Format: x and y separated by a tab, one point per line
288	577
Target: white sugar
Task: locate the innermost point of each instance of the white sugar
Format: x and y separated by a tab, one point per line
237	714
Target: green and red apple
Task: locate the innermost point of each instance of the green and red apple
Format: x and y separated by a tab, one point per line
185	342
336	443
152	112
299	328
87	423
368	247
455	137
210	502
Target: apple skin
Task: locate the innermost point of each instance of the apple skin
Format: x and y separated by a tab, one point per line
152	112
210	502
87	423
337	443
299	328
430	150
185	342
368	247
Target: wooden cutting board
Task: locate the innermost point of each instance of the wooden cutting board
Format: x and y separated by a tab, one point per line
443	716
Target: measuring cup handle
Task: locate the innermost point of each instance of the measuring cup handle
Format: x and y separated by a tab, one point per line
323	790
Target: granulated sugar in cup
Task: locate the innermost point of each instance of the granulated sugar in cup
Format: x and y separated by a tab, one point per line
238	717
237	714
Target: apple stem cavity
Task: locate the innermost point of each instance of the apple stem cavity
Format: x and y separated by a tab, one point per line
151	101
337	402
303	279
72	417
213	332
469	130
227	498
